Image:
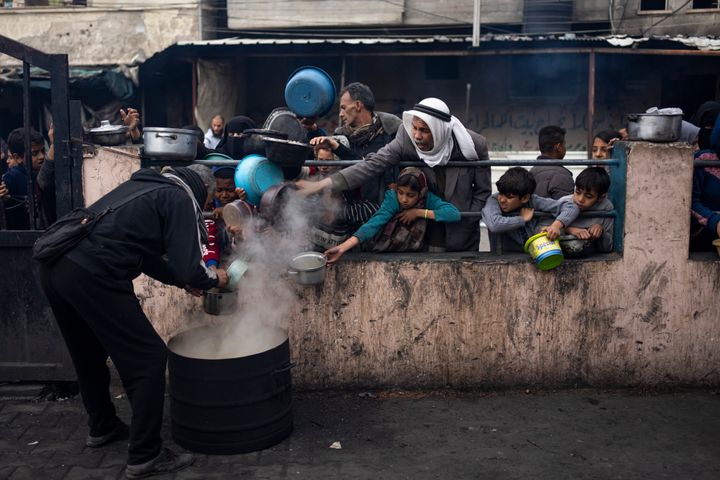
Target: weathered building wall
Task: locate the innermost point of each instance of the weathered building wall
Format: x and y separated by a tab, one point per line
113	33
355	13
629	19
648	317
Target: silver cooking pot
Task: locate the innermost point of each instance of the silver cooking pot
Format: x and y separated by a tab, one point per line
653	127
219	301
108	135
170	143
308	268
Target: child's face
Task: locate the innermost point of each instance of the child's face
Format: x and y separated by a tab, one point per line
585	199
407	197
37	152
510	202
225	190
324	155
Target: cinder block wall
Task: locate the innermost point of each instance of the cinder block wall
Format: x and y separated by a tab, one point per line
648	317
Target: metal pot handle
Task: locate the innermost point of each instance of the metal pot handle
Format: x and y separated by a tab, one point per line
292	272
171	136
633	117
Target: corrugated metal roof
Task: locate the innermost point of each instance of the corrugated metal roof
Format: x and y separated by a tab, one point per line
699	43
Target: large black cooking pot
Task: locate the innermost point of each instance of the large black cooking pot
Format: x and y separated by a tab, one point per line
231	405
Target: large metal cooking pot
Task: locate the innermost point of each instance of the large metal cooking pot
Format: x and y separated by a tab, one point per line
308	268
230	404
654	127
170	143
108	135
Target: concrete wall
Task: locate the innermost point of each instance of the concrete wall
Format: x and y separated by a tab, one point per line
648	317
111	33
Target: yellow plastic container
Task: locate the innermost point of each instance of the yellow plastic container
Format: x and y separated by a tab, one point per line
546	253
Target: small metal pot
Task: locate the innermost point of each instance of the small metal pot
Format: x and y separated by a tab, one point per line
308	268
274	200
108	135
286	152
219	301
572	246
170	143
653	127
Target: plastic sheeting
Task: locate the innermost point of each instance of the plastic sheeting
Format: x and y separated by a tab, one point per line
219	90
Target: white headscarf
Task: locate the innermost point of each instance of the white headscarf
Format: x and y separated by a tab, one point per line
442	130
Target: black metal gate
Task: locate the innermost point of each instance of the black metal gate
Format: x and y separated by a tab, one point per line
31	347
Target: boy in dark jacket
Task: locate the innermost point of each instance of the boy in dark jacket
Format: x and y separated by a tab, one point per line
90	290
553	181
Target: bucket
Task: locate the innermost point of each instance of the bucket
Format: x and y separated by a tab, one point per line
310	92
546	253
231	405
256	174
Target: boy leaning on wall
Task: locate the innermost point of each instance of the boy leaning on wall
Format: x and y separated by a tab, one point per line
511	210
590	195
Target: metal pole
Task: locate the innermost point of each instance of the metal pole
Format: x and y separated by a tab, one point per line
476	23
342	83
591	102
30	181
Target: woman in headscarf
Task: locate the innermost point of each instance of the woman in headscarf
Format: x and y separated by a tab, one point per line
233	139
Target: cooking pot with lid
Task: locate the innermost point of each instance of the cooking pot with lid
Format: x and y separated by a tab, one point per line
108	135
654	127
170	143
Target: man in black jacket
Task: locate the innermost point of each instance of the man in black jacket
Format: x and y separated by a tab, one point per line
90	290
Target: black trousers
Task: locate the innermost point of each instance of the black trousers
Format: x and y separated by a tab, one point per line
100	317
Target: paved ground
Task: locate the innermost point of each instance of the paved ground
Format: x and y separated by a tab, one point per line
577	434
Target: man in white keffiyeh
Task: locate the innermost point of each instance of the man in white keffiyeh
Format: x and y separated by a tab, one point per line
433	136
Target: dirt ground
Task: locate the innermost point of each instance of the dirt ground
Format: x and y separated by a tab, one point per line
569	434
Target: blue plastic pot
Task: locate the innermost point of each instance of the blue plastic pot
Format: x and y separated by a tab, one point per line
310	92
256	174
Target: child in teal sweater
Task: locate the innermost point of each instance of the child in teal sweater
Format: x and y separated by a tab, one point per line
400	223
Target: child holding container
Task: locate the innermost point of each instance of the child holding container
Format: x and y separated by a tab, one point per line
591	187
511	210
400	223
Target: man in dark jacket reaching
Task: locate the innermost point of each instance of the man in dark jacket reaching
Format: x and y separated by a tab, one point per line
90	290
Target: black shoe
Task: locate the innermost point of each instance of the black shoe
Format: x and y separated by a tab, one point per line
120	432
166	462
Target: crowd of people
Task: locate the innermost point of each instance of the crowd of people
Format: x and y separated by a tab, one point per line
373	205
427	133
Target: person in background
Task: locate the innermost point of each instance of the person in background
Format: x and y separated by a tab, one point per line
400	223
340	214
90	291
16	178
432	135
603	142
553	181
232	141
511	210
367	131
210	248
590	195
705	204
215	133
